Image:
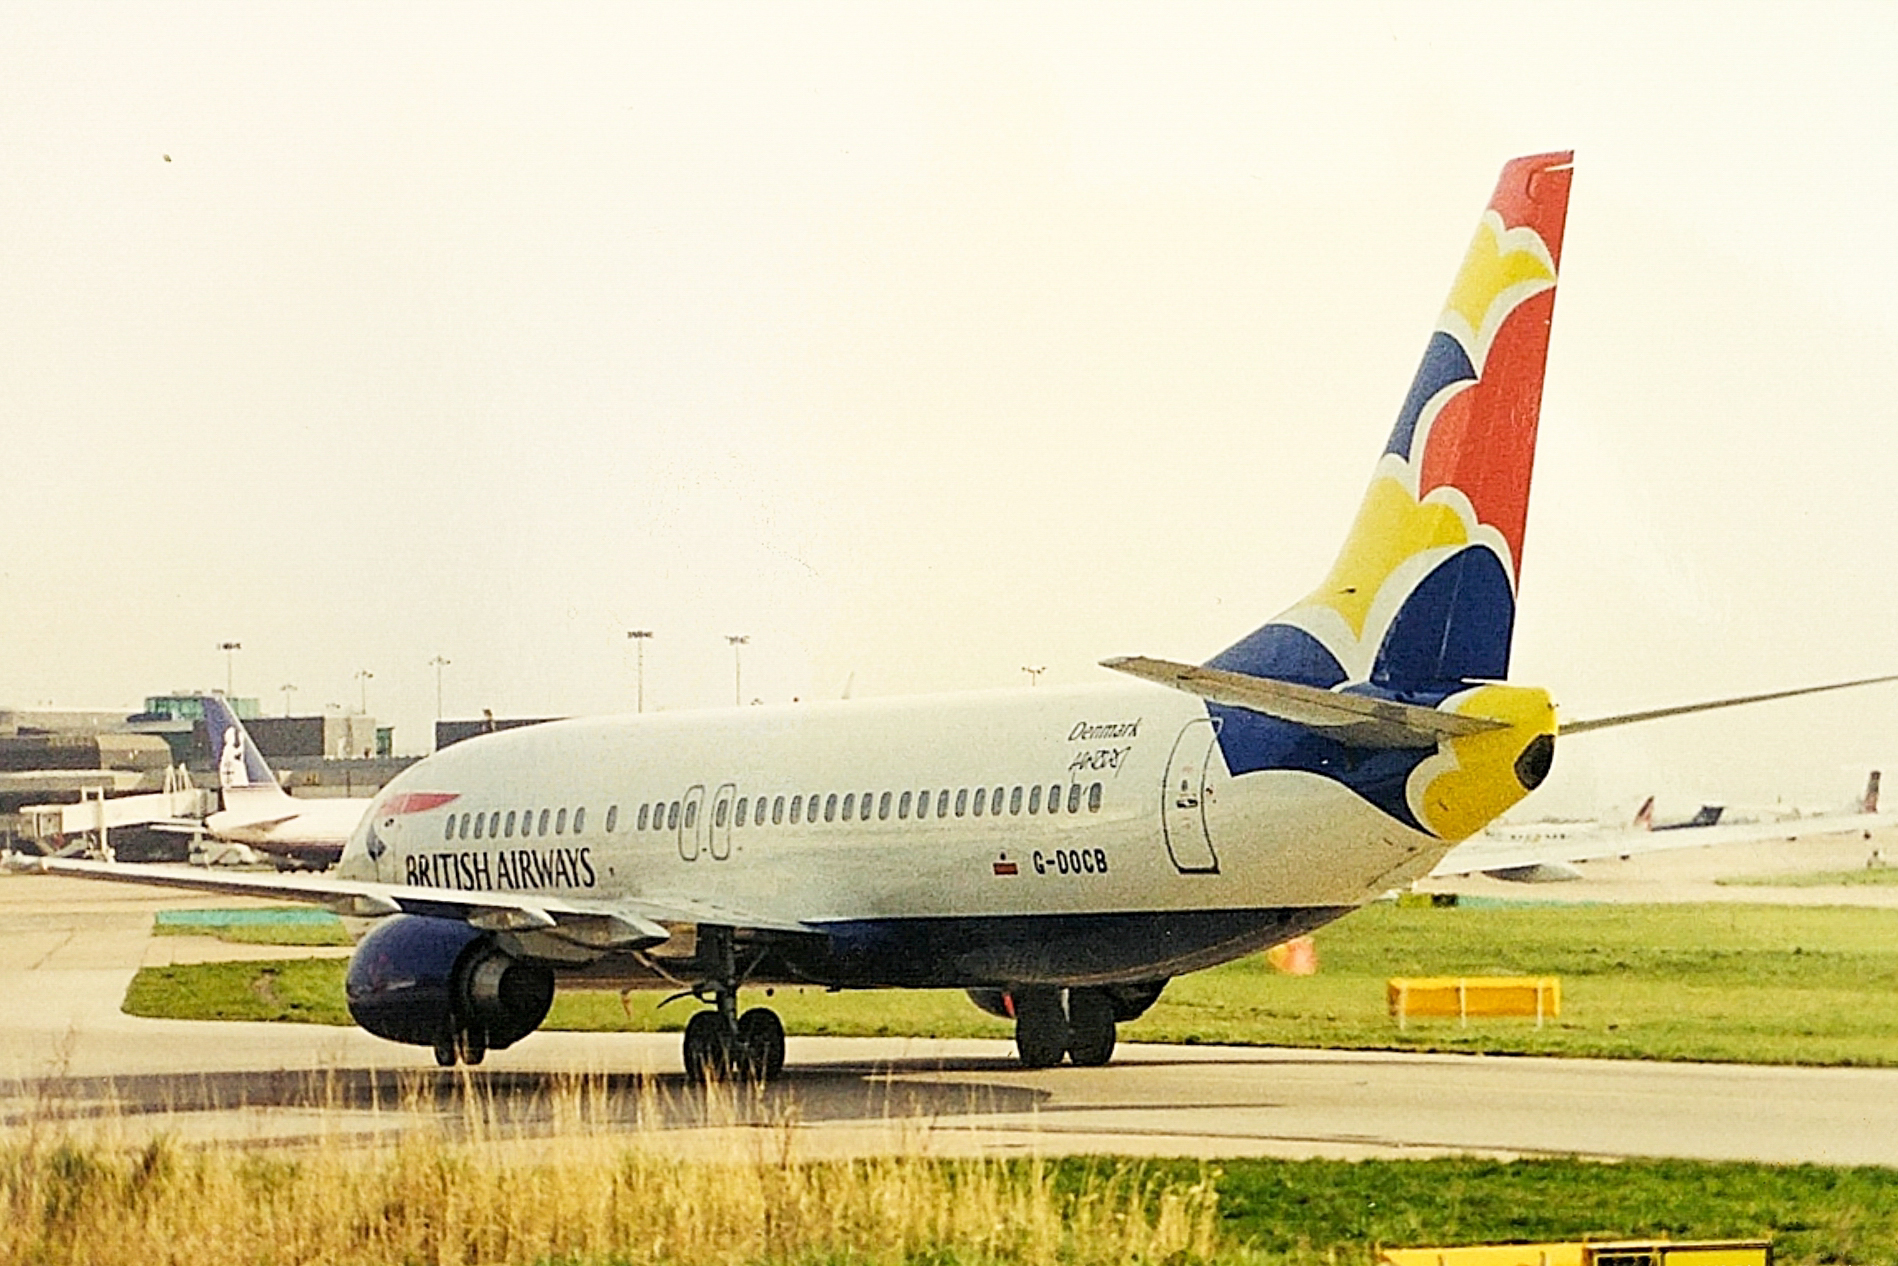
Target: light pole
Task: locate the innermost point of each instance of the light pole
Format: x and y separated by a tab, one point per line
363	675
738	640
287	688
639	638
438	663
1034	674
230	650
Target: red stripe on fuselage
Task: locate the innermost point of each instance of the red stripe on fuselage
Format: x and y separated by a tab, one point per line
418	801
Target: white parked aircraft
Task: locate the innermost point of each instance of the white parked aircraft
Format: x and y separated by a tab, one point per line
1548	852
259	813
1060	854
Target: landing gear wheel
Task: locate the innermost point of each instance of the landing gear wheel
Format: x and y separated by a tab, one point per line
1041	1027
473	1046
445	1053
758	1055
1091	1031
708	1048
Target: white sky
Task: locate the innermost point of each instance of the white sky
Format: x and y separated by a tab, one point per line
921	344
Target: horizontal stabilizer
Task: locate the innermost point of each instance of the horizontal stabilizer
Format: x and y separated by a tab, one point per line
1656	714
1350	719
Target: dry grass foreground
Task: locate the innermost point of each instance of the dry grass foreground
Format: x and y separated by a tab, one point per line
583	1193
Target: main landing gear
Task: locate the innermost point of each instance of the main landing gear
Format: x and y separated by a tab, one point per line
1052	1024
722	1044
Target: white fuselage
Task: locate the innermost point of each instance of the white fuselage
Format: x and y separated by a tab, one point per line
283	823
1149	822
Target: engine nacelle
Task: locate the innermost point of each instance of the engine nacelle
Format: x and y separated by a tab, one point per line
417	980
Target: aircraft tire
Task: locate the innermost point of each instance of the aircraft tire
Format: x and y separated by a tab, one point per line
759	1051
708	1048
473	1046
1091	1031
1041	1027
447	1052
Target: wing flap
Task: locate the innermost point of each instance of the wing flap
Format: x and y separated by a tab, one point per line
1350	719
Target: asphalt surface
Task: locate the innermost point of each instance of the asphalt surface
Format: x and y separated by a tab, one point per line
68	949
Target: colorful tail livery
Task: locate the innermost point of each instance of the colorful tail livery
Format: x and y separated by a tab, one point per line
1420	606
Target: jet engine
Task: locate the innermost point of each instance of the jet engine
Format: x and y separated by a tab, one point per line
441	983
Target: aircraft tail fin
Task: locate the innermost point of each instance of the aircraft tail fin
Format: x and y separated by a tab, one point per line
1423	595
241	769
1868	803
1644	816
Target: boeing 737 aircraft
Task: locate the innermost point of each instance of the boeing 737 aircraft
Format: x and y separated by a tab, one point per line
1060	854
259	813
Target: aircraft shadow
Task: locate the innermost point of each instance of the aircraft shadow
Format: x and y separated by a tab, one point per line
532	1102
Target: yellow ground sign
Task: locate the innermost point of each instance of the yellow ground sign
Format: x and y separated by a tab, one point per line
1480	997
1628	1253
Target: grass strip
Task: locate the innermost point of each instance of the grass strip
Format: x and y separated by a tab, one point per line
595	1193
1722	983
1866	877
1305	1212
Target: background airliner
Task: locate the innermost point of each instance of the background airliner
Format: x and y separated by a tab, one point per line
1058	853
1547	852
259	813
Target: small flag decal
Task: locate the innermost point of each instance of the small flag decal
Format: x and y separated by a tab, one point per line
1006	867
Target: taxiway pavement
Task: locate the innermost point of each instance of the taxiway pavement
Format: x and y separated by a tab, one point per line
68	949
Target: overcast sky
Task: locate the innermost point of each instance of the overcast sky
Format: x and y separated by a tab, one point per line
923	344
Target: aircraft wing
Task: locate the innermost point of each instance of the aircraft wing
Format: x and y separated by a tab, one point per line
1489	854
625	924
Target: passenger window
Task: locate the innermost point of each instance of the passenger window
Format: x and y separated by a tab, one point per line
1094	798
962	801
1054	798
981	798
1034	798
777	811
1074	798
659	816
830	807
481	821
448	831
995	802
545	814
494	825
644	809
560	823
672	816
718	813
579	819
850	801
902	806
797	807
691	814
612	818
744	807
464	826
942	803
883	807
1014	801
